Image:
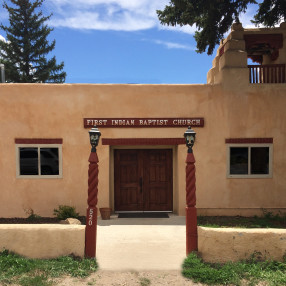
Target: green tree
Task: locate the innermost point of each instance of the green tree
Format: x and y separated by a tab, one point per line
25	51
213	18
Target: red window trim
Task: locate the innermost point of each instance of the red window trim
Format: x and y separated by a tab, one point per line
249	140
143	141
38	141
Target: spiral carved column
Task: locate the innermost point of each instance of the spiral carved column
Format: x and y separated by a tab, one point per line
91	213
191	211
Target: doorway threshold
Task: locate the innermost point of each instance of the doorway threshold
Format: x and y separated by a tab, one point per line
143	215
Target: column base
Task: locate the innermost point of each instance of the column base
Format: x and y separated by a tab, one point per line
90	232
191	230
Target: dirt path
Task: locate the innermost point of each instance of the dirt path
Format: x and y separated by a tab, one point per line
129	278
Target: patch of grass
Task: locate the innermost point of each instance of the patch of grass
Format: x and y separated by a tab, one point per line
92	282
251	272
40	272
37	280
144	281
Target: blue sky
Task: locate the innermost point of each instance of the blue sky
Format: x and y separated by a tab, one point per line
122	41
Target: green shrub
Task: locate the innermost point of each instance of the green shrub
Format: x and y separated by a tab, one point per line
64	212
31	215
281	217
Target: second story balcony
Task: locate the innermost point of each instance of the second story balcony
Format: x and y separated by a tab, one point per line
274	73
263	47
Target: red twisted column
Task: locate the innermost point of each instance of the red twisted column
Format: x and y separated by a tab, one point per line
91	212
191	211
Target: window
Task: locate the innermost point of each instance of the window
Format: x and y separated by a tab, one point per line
249	160
39	161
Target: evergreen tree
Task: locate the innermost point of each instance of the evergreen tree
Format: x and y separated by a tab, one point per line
25	51
213	18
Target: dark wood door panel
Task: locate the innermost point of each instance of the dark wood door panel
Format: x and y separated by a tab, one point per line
127	172
128	199
158	180
143	180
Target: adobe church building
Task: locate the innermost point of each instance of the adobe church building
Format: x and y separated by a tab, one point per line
239	117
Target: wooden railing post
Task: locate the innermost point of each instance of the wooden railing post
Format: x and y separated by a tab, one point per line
267	73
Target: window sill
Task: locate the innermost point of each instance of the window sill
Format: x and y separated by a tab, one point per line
39	177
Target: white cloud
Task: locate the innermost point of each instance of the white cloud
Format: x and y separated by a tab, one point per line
118	15
184	29
88	20
246	18
2	38
123	15
171	45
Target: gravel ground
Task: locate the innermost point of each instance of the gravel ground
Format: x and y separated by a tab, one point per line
129	278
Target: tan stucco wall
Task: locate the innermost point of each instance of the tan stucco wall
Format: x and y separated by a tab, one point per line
43	241
215	245
57	111
229	244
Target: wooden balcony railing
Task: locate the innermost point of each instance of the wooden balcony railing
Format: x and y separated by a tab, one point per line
267	73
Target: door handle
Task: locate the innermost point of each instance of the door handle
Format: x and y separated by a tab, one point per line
141	184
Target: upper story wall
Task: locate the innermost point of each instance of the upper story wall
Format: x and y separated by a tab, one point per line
266	46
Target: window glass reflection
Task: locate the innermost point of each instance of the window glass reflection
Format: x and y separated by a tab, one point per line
28	161
238	160
49	161
259	160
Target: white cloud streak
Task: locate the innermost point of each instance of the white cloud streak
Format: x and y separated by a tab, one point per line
171	45
124	21
117	15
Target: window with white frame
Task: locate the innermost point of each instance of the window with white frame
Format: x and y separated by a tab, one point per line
39	160
249	160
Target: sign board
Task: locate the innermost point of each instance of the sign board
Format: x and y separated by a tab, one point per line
143	122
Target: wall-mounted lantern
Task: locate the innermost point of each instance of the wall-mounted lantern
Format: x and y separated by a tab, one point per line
94	135
190	137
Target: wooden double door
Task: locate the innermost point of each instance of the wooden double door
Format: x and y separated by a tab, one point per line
143	180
